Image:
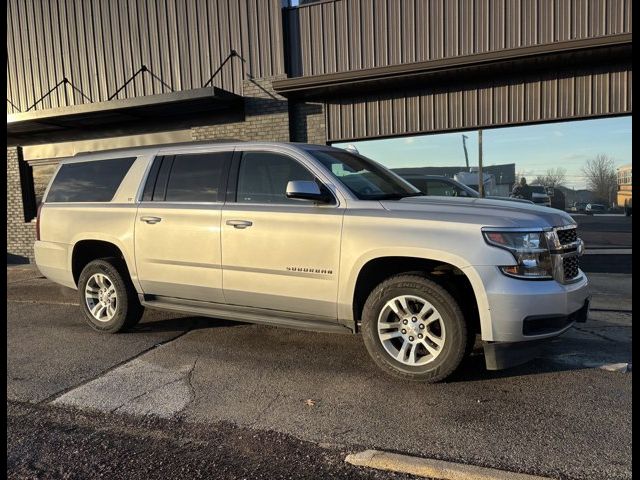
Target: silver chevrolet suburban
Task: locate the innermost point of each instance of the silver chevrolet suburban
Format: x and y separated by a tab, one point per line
310	237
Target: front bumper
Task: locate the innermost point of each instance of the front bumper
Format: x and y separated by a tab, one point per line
518	307
500	355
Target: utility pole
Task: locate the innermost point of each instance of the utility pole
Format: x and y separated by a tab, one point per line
464	145
480	175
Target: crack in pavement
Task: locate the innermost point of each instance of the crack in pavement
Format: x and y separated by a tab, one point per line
192	390
154	389
52	398
264	410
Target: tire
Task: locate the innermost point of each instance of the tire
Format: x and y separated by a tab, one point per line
124	311
451	330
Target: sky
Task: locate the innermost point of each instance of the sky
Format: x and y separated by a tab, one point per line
533	148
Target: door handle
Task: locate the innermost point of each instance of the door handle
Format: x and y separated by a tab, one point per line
239	223
150	220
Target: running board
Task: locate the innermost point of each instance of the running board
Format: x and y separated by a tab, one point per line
245	314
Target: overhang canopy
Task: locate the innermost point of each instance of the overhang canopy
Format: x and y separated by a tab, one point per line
132	114
475	67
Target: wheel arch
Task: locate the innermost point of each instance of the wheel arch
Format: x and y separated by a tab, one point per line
449	270
87	249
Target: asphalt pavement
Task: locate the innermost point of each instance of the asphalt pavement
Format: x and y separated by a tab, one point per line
72	388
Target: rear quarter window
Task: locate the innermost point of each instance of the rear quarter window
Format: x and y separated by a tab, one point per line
95	181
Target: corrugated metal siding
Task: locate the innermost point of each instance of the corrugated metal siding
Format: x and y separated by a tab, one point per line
100	44
343	35
540	99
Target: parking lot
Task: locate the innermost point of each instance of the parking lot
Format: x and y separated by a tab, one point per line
295	403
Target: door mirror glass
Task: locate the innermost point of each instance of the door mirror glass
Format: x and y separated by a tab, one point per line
306	190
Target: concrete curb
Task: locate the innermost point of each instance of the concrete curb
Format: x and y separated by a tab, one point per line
425	467
617	367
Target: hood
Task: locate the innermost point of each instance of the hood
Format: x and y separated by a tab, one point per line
508	199
480	211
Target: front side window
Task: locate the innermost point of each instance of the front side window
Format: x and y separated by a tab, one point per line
364	178
195	177
94	181
263	177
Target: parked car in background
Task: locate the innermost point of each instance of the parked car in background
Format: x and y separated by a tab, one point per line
437	185
593	208
578	207
540	195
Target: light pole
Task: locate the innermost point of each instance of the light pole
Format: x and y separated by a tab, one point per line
464	145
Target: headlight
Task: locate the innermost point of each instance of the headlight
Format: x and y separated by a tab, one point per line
528	248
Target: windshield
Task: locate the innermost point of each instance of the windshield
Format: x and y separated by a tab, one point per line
364	178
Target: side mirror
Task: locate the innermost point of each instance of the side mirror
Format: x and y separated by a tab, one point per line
307	190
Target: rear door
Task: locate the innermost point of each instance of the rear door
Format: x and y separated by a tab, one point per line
177	228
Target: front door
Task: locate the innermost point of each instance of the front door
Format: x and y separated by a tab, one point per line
177	228
279	253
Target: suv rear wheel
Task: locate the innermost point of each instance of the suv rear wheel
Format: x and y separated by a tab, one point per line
414	329
108	299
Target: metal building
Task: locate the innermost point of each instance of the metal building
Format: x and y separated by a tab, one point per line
96	74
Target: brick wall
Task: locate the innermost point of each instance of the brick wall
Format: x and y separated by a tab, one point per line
307	123
20	234
266	116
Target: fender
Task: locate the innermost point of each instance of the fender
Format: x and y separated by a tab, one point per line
349	277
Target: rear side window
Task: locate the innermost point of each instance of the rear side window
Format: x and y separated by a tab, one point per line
95	181
196	177
188	178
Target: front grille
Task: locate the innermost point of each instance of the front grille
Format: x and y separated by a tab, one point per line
570	265
567	236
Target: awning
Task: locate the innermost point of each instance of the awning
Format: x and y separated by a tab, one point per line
489	65
132	114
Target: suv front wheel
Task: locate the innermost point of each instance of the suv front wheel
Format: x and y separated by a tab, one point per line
414	329
108	299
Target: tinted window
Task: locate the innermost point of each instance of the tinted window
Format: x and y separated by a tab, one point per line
95	181
196	177
263	177
440	188
147	194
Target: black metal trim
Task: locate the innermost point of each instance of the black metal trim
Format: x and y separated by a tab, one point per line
160	189
27	188
150	185
142	69
368	79
232	180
